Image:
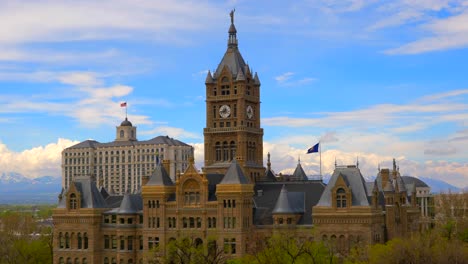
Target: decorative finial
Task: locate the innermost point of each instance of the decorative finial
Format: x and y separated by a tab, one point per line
232	15
299	160
268	161
335	163
378	168
357	161
394	164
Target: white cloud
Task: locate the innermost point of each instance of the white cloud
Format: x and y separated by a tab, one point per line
36	21
173	132
286	79
35	162
442	34
414	116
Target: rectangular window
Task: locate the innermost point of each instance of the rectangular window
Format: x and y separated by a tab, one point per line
122	243
230	246
141	242
150	242
106	242
130	243
114	242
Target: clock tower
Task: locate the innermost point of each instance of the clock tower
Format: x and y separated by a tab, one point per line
233	115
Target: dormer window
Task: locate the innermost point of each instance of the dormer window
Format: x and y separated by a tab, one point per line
73	201
341	198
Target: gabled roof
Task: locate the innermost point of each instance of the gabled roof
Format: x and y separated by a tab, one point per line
289	202
389	187
354	180
90	195
234	175
160	177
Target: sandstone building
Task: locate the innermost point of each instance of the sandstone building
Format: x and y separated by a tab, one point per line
120	165
234	203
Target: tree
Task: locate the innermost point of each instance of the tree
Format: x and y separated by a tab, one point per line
285	247
188	250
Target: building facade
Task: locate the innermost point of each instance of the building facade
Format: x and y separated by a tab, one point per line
235	203
233	114
352	211
120	165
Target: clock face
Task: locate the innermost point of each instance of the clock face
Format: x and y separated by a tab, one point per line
224	111
249	112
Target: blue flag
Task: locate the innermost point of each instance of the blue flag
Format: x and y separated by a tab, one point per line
313	149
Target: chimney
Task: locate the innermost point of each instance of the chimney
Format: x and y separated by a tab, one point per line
385	173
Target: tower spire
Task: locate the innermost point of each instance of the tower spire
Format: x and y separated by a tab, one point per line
232	42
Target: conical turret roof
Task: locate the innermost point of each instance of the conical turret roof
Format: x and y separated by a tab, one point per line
234	175
160	177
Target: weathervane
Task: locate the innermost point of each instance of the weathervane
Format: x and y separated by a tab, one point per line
232	15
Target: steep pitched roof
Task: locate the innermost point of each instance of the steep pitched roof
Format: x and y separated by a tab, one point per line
234	175
289	202
299	174
160	177
270	176
353	178
130	204
232	59
90	195
267	194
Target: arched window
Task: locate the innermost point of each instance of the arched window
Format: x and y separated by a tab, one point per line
225	151
72	201
67	240
85	261
69	261
218	151
122	133
61	244
232	148
85	241
340	198
61	260
225	87
80	241
106	260
77	261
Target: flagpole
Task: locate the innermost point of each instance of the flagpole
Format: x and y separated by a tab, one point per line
320	148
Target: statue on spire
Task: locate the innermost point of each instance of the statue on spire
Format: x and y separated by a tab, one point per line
232	15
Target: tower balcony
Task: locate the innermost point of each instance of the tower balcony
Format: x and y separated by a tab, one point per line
252	130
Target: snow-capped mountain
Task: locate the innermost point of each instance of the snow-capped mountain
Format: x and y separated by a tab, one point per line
16	188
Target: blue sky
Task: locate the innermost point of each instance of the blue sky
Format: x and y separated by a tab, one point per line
370	79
